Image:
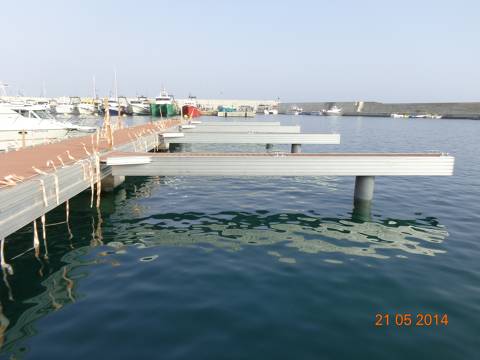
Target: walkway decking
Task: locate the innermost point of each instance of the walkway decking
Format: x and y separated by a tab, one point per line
26	195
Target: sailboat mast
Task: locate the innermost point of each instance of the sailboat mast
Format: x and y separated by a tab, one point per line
94	88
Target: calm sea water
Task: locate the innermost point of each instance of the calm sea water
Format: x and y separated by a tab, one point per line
260	268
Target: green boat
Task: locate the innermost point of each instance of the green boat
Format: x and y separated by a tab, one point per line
164	106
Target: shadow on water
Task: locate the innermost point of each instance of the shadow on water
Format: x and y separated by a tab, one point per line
42	285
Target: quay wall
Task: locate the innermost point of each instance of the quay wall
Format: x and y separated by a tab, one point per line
469	110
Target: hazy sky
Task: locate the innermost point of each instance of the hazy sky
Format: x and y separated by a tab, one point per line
298	50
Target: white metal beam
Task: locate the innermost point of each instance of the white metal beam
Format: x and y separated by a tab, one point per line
239	123
281	164
294	129
252	138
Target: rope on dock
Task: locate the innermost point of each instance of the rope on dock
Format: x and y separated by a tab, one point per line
42	183
99	178
55	178
67	216
70	156
3	263
12	179
36	241
85	148
92	184
61	161
44	233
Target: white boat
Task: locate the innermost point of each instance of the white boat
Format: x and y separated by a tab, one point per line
294	110
87	109
270	111
24	125
399	116
119	106
67	106
140	106
333	111
114	107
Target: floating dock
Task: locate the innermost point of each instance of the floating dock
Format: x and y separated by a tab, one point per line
292	129
364	167
35	180
280	164
250	138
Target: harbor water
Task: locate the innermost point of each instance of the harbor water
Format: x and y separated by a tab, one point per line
260	268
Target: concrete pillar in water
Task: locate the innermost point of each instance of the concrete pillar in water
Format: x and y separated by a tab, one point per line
363	196
110	182
164	146
176	147
269	147
296	148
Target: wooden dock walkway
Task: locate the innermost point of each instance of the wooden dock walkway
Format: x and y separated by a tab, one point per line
37	179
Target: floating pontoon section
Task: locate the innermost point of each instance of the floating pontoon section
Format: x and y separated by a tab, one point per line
251	138
240	123
283	164
241	128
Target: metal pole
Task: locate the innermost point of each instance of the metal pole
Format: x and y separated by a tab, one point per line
364	186
296	148
269	147
176	147
362	198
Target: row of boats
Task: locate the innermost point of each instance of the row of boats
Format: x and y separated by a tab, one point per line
163	105
333	111
415	116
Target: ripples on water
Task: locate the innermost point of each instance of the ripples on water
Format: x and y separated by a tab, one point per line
256	268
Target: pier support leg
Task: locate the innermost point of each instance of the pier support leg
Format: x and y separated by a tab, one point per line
269	147
110	182
296	148
363	196
162	147
176	147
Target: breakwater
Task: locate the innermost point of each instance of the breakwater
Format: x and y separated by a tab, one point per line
454	110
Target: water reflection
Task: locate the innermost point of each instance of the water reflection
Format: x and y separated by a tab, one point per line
284	237
306	233
129	220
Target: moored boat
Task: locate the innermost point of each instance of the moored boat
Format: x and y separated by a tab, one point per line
333	111
241	111
25	125
294	110
140	106
164	105
67	106
85	108
190	108
270	111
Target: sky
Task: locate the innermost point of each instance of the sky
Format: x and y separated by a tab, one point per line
324	50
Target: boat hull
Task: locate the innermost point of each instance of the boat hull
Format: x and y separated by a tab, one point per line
87	109
66	109
163	110
190	111
10	139
140	109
